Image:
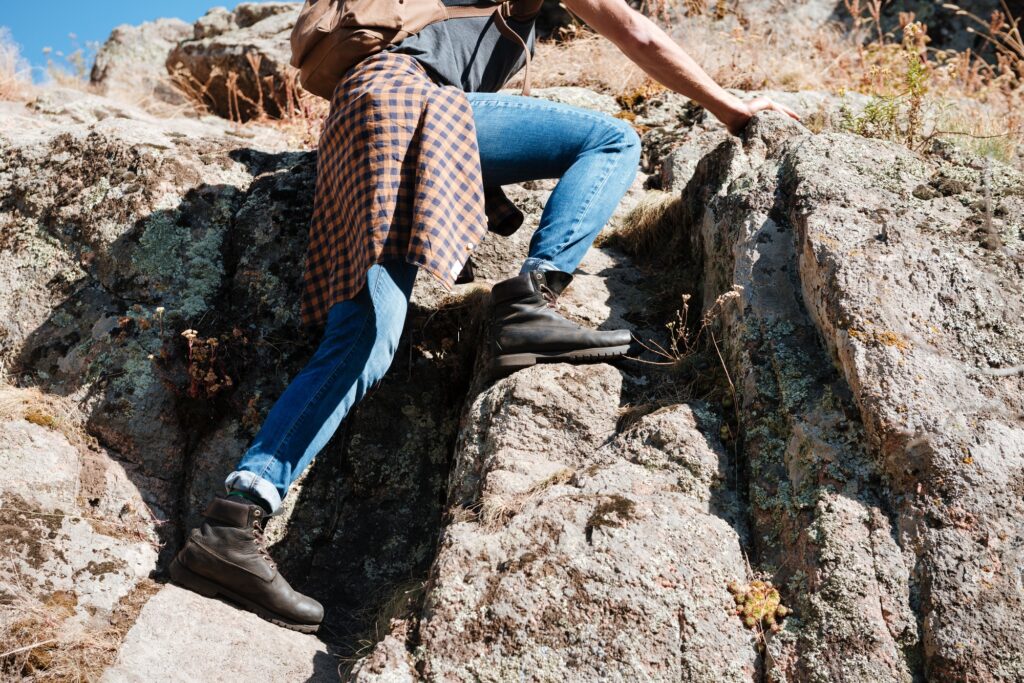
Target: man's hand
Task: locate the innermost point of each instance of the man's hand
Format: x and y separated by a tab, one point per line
742	118
665	61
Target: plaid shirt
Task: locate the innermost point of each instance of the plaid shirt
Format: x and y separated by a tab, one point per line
398	178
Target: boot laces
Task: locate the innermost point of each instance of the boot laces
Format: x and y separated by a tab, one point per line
549	296
260	540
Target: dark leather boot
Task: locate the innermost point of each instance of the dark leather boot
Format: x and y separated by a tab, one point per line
227	556
526	328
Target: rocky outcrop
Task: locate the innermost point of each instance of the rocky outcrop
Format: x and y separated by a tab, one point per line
237	62
872	356
77	543
850	431
578	552
129	66
884	505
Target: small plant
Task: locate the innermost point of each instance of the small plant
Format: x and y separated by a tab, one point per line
612	512
866	15
207	373
897	116
1001	31
41	418
684	343
759	605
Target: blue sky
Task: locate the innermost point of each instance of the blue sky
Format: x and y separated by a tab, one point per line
35	24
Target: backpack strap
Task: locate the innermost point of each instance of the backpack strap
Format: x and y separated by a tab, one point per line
500	12
506	30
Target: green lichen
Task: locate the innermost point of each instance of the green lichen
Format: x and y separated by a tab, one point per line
179	263
136	376
95	195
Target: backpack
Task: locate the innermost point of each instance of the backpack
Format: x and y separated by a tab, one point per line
331	36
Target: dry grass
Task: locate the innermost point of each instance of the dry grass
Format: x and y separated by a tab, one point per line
279	103
37	643
397	606
45	410
15	80
497	509
651	230
973	102
583	59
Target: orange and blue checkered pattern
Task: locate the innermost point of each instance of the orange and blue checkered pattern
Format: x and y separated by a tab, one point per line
398	178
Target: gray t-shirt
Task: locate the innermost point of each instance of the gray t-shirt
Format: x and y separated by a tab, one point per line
469	52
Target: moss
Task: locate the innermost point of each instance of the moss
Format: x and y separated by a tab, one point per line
38	417
63	603
93	196
103	568
881	338
610	513
136	376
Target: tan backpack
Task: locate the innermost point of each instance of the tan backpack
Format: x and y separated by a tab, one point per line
331	36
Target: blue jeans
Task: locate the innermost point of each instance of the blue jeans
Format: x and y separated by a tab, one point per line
595	156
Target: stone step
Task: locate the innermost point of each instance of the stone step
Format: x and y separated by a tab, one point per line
182	636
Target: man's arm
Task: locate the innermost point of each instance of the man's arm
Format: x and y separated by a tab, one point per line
650	48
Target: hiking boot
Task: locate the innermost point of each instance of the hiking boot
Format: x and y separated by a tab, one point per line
227	556
527	329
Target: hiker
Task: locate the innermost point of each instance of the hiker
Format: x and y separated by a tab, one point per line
410	163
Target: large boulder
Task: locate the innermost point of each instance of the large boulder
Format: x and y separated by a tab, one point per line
569	540
853	431
237	63
876	351
121	231
224	645
130	65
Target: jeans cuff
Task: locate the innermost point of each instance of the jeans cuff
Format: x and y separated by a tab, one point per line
240	480
533	263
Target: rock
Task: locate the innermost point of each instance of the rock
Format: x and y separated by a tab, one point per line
390	662
237	64
129	66
851	379
52	489
106	204
76	106
250	13
199	639
76	540
576	97
216	21
679	133
569	540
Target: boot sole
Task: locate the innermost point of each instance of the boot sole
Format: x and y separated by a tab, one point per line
186	578
503	366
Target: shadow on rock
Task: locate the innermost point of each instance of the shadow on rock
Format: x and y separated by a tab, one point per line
183	331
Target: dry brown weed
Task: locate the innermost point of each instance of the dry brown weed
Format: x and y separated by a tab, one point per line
45	410
15	82
38	643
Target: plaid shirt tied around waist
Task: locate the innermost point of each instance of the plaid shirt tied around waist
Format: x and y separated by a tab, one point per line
398	177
